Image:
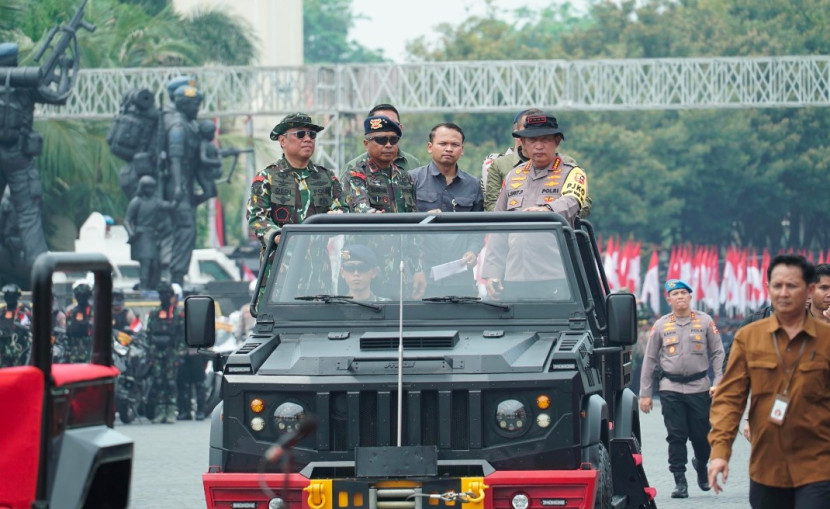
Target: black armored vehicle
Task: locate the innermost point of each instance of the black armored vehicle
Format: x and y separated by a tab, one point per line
383	373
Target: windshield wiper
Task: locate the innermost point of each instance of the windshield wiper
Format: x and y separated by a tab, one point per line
338	298
456	299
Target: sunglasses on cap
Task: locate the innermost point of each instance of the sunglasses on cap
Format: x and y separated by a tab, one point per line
356	267
383	140
301	134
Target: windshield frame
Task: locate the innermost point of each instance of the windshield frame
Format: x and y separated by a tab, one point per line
302	312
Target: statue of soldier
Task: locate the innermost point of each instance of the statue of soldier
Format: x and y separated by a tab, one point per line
19	144
77	342
15	324
165	327
144	215
182	160
11	244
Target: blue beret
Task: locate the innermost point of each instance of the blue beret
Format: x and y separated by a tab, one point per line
677	284
179	81
380	123
359	253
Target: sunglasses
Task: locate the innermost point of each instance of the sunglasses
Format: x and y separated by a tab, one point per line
301	134
383	140
356	267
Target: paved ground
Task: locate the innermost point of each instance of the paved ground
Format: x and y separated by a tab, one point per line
169	461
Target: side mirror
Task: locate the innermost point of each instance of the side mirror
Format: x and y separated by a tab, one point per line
199	321
621	309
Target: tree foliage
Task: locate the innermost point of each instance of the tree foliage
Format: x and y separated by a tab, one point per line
702	176
326	25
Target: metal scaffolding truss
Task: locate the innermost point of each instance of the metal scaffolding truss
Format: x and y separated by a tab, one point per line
479	86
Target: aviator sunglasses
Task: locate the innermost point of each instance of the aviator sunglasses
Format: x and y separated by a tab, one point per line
301	134
383	140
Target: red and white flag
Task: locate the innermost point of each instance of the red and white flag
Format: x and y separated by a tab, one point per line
651	284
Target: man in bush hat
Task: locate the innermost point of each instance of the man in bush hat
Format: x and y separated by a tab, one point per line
681	345
377	184
293	188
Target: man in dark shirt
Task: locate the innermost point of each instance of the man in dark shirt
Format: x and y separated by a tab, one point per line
441	186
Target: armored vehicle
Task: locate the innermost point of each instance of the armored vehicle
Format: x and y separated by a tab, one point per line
380	375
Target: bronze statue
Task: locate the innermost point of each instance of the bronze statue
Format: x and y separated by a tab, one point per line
20	89
144	215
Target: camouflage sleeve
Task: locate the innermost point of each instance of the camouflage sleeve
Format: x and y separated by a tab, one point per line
355	194
492	186
259	207
351	165
336	194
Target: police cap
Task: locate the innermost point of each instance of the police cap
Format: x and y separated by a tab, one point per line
537	125
294	120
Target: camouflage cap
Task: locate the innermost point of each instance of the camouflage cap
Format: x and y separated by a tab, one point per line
294	120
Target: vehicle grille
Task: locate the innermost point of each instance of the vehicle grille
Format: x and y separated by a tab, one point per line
447	419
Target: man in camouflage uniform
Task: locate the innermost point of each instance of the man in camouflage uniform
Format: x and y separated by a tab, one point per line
77	344
293	189
378	184
15	323
681	346
544	183
403	160
503	163
165	326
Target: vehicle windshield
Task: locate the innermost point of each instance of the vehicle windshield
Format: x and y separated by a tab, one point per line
385	265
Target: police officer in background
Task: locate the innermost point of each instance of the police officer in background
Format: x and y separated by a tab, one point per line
165	326
293	188
77	342
681	346
15	323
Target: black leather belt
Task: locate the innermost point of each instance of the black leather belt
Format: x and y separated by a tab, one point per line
684	379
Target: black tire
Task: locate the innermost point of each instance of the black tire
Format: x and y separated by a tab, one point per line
125	411
605	488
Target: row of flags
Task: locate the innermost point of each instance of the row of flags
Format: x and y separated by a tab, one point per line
736	285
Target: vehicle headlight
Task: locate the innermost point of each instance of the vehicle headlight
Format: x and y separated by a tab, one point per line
288	416
511	416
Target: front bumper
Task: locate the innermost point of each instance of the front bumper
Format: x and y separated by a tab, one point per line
544	489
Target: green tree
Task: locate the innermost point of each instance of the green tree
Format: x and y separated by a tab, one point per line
326	25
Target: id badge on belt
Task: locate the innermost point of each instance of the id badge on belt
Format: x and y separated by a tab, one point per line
779	409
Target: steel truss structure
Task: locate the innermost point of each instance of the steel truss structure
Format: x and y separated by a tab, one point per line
341	92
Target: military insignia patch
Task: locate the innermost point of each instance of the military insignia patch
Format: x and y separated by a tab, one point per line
513	203
580	179
357	174
514	186
556	163
259	178
672	349
345	255
715	328
549	199
282	214
376	123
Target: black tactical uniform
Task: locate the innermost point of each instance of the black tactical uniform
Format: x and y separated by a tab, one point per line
77	342
15	323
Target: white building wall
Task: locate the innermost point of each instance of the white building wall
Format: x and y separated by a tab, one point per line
277	24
